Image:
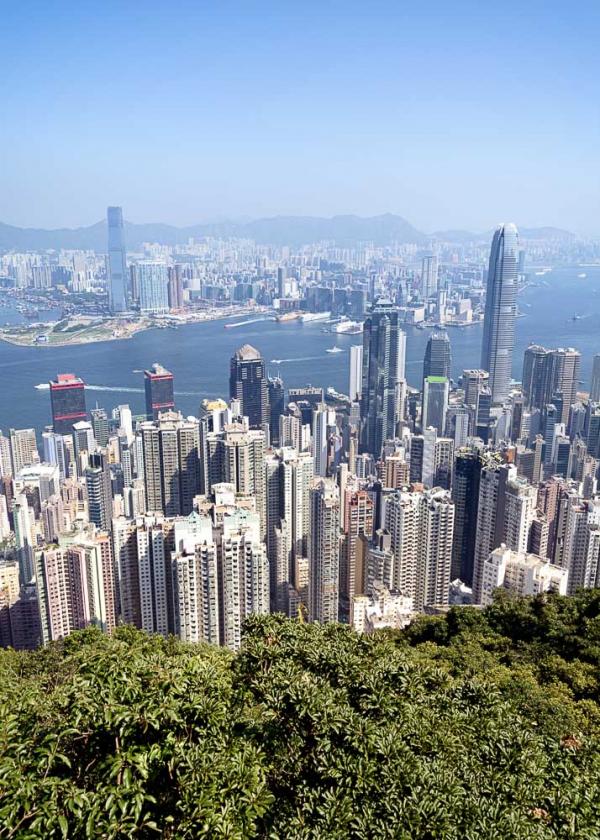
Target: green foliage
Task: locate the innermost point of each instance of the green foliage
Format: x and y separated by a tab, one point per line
478	724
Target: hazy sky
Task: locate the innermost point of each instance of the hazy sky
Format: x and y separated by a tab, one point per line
451	114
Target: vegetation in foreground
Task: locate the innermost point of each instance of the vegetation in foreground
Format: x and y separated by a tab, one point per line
474	725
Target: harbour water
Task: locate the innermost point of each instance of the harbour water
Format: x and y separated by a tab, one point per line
560	308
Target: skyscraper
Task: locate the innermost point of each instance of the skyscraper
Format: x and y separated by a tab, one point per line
435	403
500	311
324	552
551	377
438	358
595	386
248	384
356	362
382	347
158	385
153	281
117	268
67	398
429	276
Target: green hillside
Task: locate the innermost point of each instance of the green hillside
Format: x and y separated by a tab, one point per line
475	725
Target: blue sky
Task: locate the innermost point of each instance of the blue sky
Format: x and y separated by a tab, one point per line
450	114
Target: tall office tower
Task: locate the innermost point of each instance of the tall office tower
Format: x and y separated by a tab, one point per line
438	356
23	449
276	398
381	354
551	377
248	384
67	398
355	381
116	266
99	492
436	390
323	426
421	526
473	380
519	513
458	422
490	513
500	311
357	521
175	287
123	414
465	495
152	280
76	587
429	276
324	552
521	573
595	384
289	477
83	437
195	580
281	278
158	386
170	449
401	370
23	522
57	450
100	425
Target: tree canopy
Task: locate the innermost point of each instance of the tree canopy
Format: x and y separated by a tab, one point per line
477	724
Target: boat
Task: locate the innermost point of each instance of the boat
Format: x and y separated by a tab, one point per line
288	316
347	326
582	276
334	350
43	386
315	316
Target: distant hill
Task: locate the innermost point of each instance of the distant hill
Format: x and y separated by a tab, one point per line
278	230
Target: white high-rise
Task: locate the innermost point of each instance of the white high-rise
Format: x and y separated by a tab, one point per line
356	363
421	527
501	311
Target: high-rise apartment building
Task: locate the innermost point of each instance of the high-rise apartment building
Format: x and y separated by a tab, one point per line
465	495
23	449
551	377
248	384
357	521
521	573
67	399
170	448
500	311
421	528
158	387
116	264
324	552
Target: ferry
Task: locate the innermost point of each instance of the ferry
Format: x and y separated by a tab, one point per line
288	316
315	316
334	350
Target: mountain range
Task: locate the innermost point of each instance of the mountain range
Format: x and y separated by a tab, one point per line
278	230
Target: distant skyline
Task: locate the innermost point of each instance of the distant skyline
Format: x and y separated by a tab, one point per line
454	115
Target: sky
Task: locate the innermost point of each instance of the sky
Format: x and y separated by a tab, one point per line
451	114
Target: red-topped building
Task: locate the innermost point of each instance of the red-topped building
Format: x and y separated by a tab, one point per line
158	384
67	398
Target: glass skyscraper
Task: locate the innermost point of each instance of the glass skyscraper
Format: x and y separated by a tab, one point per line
382	348
117	268
153	281
501	311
